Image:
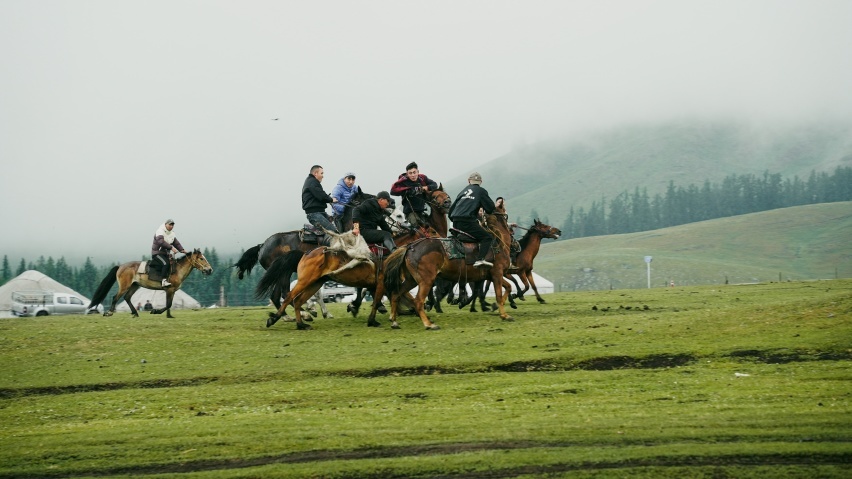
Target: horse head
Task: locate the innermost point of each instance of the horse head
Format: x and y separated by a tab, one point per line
199	262
439	199
546	231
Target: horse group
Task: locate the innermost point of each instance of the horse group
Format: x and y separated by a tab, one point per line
423	256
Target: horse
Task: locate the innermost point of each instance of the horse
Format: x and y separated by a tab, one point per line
425	259
281	243
530	244
315	268
130	279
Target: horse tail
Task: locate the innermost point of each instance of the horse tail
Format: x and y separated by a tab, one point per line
103	289
247	261
281	269
393	270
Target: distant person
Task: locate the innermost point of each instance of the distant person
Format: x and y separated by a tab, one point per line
464	214
411	186
139	306
368	220
343	192
165	243
148	306
314	199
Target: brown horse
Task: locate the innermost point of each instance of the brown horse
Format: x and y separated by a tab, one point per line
424	260
313	270
130	279
530	245
281	243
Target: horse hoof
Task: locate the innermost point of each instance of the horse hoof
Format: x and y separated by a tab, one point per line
271	320
541	301
494	307
395	325
382	309
303	326
508	319
313	313
329	316
433	327
373	324
513	305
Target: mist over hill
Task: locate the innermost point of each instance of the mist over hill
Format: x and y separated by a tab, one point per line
550	177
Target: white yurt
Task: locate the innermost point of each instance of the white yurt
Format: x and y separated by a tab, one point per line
31	280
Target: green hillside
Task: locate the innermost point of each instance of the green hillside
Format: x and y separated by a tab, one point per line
800	243
551	177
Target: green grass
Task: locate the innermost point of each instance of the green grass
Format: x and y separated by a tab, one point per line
721	381
801	243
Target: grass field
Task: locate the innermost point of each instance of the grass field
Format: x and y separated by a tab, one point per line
710	381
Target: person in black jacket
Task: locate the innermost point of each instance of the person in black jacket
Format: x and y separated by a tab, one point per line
314	200
368	220
465	211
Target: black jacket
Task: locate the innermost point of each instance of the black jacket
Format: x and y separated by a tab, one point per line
314	199
469	201
412	192
370	215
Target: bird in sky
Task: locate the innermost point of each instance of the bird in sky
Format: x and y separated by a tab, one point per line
275	119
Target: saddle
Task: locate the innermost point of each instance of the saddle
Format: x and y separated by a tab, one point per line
154	272
312	234
467	247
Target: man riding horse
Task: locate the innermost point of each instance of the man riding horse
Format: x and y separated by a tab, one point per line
411	186
165	242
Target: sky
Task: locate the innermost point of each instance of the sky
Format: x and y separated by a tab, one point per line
116	115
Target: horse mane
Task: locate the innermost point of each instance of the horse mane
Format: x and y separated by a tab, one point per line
526	238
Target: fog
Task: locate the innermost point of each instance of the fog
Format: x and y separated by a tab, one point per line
115	115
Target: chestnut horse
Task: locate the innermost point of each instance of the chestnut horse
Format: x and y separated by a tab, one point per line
130	279
530	244
425	259
280	243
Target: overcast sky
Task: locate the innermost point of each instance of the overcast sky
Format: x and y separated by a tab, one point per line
115	115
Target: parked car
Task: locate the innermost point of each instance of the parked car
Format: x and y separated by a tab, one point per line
335	292
44	303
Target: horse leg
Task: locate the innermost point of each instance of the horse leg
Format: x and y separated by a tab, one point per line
419	301
323	307
377	299
355	305
128	296
520	290
170	295
298	301
499	283
535	290
122	290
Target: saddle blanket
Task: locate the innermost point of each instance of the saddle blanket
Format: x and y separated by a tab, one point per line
453	247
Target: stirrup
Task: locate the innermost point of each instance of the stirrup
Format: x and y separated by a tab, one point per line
165	282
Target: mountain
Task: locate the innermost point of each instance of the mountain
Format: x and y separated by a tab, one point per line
799	243
550	177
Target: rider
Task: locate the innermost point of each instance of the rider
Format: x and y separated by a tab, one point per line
410	186
464	213
368	220
165	242
314	200
343	191
500	204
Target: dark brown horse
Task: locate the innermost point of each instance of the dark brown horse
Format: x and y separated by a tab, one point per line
130	279
530	245
424	260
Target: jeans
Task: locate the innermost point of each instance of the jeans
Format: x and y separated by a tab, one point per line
320	220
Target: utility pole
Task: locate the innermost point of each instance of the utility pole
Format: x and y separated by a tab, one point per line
648	263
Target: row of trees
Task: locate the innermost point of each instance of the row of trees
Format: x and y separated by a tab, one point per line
735	195
207	290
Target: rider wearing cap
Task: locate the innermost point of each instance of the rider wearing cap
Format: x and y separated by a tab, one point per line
465	211
165	242
343	191
368	220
